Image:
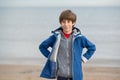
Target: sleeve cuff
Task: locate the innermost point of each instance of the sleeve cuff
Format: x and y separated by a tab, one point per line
84	59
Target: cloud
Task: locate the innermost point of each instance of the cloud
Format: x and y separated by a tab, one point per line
36	3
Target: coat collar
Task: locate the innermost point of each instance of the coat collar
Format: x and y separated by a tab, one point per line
75	31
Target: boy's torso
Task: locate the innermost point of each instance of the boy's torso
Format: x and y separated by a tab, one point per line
64	58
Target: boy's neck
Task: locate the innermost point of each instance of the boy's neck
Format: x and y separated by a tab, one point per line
69	32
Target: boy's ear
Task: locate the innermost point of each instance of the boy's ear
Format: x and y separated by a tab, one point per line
73	23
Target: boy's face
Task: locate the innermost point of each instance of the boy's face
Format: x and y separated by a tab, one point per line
67	26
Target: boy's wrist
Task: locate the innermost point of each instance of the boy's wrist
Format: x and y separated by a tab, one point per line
84	60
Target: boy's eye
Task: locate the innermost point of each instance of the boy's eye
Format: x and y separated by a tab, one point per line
63	21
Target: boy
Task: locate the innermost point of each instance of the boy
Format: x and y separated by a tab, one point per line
65	59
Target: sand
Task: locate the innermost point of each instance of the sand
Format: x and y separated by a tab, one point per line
31	72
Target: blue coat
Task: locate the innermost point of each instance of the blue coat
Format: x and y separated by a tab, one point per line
79	42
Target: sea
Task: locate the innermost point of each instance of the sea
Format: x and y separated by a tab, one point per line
22	29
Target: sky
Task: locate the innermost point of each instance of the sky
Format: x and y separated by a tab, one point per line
39	3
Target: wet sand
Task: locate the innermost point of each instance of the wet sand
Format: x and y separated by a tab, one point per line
31	72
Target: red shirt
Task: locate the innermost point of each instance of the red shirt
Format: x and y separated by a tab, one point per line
66	35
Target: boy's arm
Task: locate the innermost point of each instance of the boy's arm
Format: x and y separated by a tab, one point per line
90	49
45	45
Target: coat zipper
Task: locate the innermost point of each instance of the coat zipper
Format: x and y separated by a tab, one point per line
68	58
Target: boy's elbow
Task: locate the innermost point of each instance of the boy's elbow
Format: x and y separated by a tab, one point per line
94	48
41	47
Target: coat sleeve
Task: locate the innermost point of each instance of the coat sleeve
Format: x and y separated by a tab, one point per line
43	47
91	48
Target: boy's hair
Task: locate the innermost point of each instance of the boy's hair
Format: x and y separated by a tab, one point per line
68	15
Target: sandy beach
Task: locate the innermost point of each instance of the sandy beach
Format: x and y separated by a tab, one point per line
31	72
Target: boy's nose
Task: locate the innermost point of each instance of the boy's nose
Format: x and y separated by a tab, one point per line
66	23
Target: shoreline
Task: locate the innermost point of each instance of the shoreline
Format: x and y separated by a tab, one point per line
32	72
41	61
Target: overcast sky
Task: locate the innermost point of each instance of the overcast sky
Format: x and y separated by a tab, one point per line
37	3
